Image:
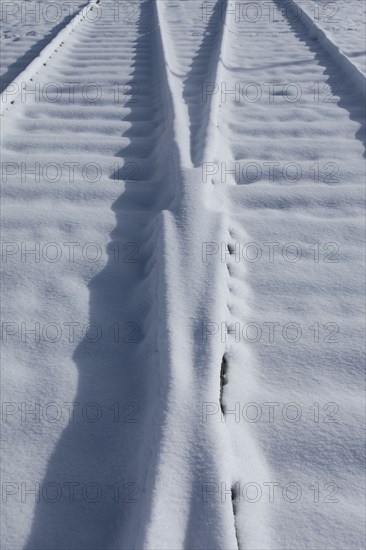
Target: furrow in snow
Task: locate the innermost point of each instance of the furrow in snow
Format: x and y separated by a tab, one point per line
192	58
193	457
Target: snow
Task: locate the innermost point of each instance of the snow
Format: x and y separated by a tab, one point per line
345	22
183	278
26	28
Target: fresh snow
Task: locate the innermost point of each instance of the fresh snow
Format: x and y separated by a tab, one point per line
26	28
183	276
345	22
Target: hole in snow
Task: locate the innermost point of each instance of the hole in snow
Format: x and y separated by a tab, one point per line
223	381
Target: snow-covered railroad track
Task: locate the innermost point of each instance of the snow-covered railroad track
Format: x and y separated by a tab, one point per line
87	166
287	160
277	150
354	70
220	162
10	91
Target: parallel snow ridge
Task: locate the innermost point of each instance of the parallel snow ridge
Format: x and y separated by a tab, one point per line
10	93
194	40
89	171
26	29
189	135
294	173
344	23
192	456
342	59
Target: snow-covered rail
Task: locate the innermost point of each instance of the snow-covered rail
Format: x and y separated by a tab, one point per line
11	92
97	173
323	37
278	150
285	161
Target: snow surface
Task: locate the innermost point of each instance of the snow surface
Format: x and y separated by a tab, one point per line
346	23
26	28
191	184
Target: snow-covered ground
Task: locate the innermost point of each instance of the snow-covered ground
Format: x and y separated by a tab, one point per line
26	28
346	24
183	277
